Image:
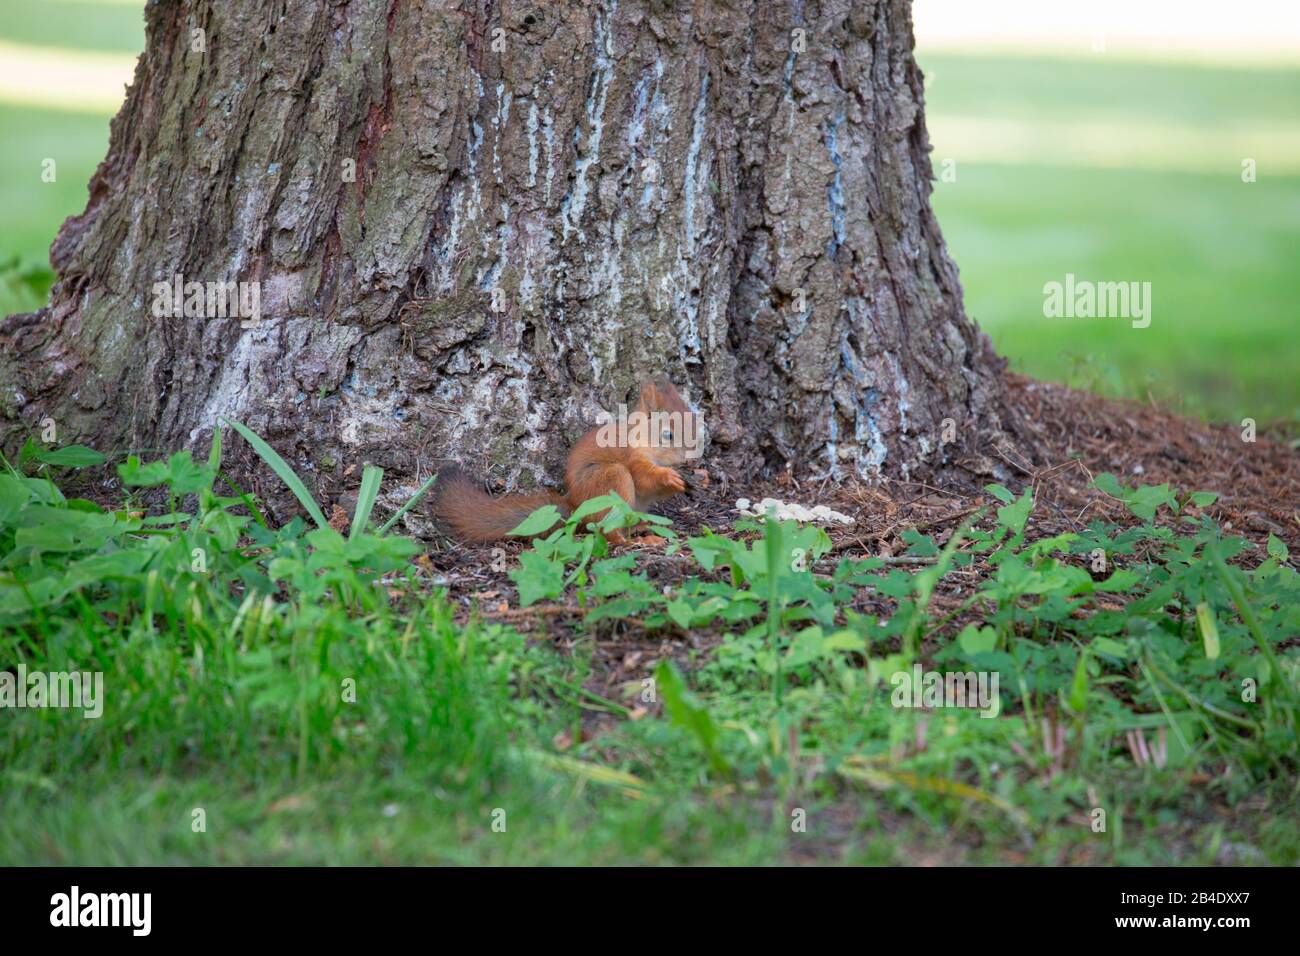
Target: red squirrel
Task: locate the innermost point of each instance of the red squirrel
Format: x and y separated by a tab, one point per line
636	462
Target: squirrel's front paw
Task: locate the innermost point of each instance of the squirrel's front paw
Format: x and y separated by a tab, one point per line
671	480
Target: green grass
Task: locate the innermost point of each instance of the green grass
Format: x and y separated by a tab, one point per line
1036	88
77	142
298	695
111	27
34	209
1220	253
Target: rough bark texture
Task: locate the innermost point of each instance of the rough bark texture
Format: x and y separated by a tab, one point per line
646	184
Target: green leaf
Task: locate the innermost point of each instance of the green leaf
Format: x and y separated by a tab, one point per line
49	529
73	456
1277	548
371	475
283	471
214	453
921	545
1203	499
617	506
681	613
1145	501
610	583
540	521
1000	492
1120	580
14	494
845	640
683	711
1209	629
977	640
537	577
1108	484
179	472
1014	516
1110	646
1078	699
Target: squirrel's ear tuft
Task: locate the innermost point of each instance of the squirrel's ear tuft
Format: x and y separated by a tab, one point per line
649	397
659	394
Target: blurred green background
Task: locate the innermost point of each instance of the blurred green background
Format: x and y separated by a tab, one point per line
1129	171
1110	167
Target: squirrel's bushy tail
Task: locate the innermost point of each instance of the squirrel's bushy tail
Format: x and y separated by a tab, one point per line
475	516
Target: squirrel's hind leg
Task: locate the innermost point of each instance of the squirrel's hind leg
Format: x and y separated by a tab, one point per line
602	481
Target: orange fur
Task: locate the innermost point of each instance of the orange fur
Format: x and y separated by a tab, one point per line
475	516
640	470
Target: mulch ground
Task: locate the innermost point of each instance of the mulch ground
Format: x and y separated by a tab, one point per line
1079	435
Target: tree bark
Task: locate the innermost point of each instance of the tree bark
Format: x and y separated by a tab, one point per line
475	223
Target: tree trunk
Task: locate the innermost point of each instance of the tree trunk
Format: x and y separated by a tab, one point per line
474	224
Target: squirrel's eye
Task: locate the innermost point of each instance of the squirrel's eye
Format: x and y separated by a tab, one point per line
666	435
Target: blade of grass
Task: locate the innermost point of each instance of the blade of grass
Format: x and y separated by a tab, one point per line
214	456
926	580
862	769
249	503
1248	616
370	478
630	785
282	470
772	552
383	529
1196	701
